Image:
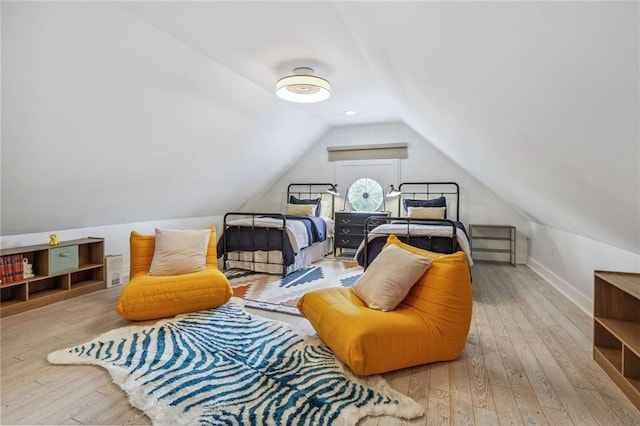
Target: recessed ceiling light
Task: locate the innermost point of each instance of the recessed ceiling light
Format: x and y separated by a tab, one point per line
350	112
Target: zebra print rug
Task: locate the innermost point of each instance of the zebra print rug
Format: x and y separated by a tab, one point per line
225	366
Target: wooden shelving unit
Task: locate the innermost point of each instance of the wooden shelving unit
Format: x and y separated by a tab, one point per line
50	284
495	243
616	329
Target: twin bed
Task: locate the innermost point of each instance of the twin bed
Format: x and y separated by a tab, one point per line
277	243
428	217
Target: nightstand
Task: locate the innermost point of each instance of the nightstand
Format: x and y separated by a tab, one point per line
350	229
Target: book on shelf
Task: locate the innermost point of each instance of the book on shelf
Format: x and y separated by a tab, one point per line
3	270
18	267
8	268
11	268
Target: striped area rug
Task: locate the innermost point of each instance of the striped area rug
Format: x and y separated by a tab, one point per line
225	366
274	293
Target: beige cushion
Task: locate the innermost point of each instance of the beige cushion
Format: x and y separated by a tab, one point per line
427	212
388	279
302	209
179	251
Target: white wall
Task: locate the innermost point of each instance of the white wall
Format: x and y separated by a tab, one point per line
537	100
567	261
478	204
106	120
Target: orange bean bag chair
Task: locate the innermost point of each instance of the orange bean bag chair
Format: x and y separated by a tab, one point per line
148	297
431	324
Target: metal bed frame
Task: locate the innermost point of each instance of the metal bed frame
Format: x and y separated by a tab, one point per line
300	190
424	191
446	188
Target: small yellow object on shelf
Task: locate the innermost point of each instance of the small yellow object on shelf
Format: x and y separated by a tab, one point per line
53	240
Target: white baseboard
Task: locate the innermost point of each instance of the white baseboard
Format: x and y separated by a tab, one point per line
580	300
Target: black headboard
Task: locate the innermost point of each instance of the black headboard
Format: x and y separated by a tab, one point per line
313	190
430	190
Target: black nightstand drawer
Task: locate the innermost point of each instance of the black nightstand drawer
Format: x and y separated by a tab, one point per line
350	228
345	230
348	242
350	219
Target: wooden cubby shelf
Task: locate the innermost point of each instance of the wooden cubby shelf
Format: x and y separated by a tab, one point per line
616	329
78	271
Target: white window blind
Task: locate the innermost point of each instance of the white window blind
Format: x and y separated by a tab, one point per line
368	152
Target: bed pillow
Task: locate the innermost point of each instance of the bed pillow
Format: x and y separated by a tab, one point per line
427	212
179	252
387	281
315	201
325	209
301	209
435	202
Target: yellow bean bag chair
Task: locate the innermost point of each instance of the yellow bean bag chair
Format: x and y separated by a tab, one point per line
431	324
148	297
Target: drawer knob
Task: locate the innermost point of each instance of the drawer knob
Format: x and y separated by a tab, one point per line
64	254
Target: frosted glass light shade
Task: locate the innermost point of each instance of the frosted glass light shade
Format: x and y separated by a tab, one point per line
303	88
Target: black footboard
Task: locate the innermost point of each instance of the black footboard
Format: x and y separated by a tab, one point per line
375	238
252	237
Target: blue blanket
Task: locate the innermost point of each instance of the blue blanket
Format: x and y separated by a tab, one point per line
316	227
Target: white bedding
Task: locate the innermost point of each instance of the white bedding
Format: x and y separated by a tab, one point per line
420	230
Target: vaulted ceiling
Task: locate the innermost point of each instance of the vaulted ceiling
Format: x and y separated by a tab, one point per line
537	100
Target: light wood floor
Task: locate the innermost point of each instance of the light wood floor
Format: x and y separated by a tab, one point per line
528	360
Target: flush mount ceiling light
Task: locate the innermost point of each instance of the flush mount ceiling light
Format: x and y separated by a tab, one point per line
303	86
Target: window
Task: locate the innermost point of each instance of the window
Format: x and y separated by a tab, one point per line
365	194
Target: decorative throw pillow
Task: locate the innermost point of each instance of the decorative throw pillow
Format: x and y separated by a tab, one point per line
434	202
390	277
179	251
315	201
301	209
427	212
